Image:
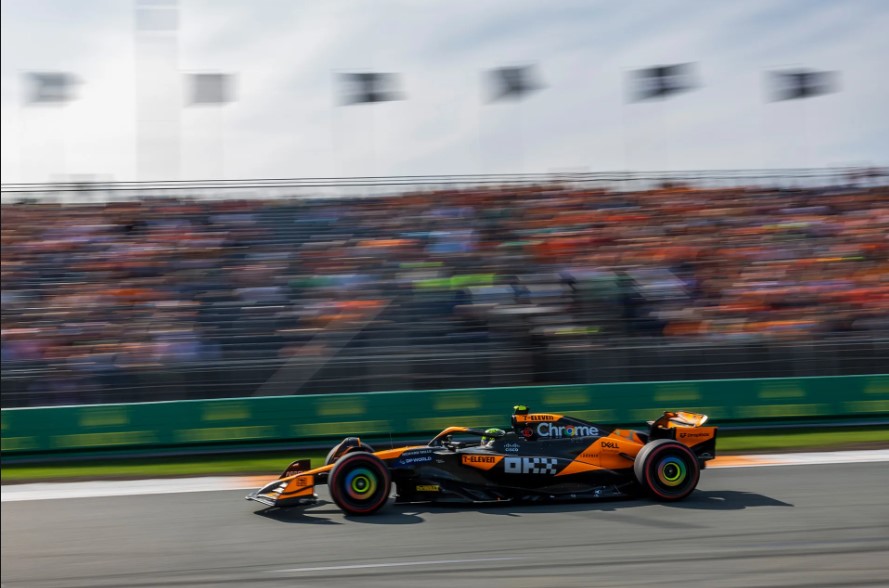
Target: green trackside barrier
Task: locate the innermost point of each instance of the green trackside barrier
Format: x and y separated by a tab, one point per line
320	417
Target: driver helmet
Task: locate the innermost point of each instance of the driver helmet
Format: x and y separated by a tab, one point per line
495	432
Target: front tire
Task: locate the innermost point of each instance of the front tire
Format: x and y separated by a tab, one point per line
667	470
359	483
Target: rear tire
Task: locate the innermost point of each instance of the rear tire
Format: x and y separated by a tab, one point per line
360	483
667	470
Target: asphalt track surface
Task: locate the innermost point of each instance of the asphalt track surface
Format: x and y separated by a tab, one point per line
814	526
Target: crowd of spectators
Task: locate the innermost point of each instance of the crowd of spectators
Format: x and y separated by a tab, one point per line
94	289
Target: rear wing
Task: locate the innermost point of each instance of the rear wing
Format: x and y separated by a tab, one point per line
686	428
680	418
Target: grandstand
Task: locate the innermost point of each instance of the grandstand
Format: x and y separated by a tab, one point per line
142	292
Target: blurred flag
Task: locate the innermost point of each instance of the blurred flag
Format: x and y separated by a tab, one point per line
513	82
792	85
50	87
661	81
211	88
360	88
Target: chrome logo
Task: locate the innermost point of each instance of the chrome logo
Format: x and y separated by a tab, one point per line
551	430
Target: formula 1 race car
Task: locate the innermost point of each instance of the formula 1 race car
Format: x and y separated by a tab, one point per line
545	457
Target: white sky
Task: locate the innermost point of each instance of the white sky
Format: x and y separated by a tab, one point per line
286	122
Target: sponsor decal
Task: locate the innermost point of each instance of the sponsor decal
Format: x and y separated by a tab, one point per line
418	459
540	417
551	430
527	432
427	488
415	456
470	459
530	465
303	481
685	435
480	461
590	455
296	467
415	452
511	447
609	445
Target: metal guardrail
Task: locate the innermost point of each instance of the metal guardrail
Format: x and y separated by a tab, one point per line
390	185
456	366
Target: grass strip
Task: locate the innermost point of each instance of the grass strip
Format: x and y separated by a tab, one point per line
275	462
823	440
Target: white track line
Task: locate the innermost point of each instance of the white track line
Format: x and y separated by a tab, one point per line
105	489
393	564
56	490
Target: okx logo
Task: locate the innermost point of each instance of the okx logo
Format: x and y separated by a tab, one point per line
530	465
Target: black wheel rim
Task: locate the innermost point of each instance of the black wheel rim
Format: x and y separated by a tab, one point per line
672	473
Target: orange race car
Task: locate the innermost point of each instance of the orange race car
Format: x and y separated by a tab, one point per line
545	457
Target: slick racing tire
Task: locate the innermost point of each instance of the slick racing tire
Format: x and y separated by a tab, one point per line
667	470
359	483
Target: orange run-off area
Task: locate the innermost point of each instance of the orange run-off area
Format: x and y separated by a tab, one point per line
739	461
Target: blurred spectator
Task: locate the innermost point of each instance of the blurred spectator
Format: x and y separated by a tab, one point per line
92	291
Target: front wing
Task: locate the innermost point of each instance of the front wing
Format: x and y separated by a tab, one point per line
296	486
